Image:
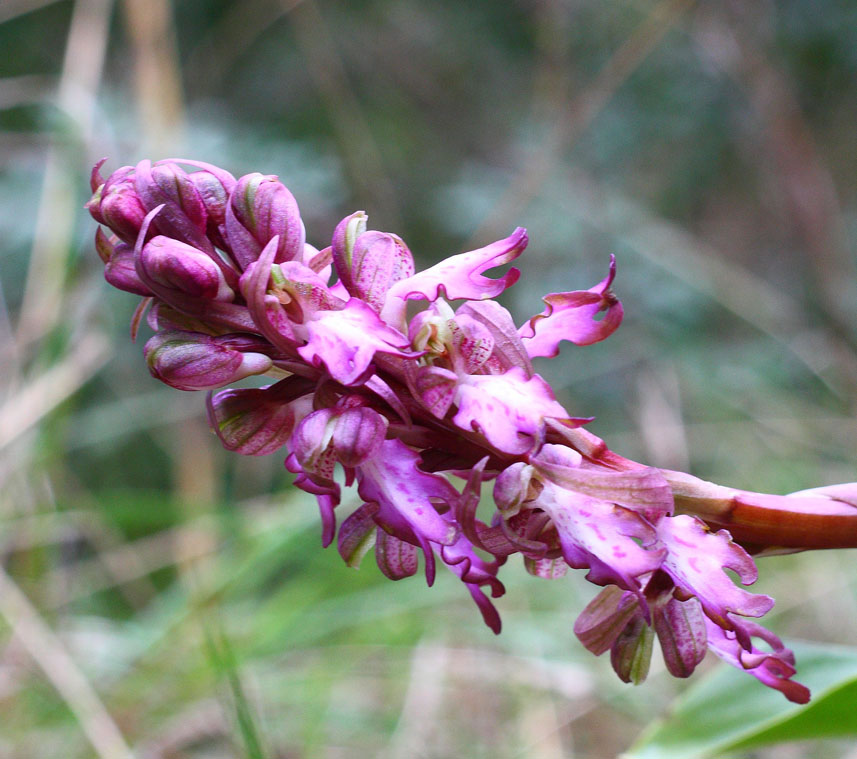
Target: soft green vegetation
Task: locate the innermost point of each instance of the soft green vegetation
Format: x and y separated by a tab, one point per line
723	714
163	600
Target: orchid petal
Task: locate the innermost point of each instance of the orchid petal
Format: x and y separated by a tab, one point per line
435	388
571	316
386	393
615	543
345	341
604	618
508	349
392	480
460	276
266	310
489	613
475	573
696	561
547	569
508	409
472	344
774	669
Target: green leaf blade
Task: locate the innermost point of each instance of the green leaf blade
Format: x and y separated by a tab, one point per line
729	711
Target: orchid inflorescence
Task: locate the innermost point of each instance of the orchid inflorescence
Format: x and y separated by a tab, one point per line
421	409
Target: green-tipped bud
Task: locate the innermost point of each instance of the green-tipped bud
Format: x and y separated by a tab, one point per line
344	237
260	209
369	263
632	652
251	421
513	487
194	361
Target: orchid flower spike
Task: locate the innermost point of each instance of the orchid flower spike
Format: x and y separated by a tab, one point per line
418	405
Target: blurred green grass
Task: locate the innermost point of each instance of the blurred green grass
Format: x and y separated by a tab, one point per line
710	146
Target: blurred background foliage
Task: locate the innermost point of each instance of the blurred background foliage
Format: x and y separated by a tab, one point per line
161	599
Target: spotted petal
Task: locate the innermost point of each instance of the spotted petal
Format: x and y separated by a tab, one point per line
345	341
404	495
696	561
508	409
615	543
460	276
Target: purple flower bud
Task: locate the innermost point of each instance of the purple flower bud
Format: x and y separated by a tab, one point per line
396	558
193	361
368	263
600	623
342	247
680	626
512	488
311	444
632	652
214	190
183	215
168	265
358	435
261	208
117	205
330	435
256	421
121	272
